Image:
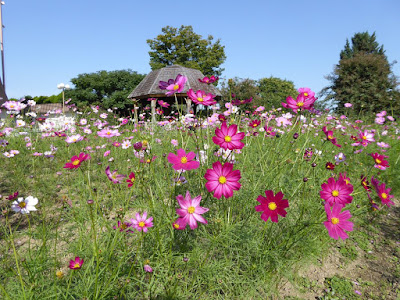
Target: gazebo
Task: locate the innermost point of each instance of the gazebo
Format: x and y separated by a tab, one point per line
148	87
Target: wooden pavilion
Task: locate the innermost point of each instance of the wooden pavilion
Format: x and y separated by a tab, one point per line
148	87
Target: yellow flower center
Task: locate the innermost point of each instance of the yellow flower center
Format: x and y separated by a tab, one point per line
76	162
176	87
108	133
77	266
364	137
335	193
191	209
200	99
306	94
148	161
222	179
176	226
384	195
74	140
22	204
141	224
255	125
228	139
272	205
300	104
347	181
133	180
335	221
378	161
330	137
184	160
123	226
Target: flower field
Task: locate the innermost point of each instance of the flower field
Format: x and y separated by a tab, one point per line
222	205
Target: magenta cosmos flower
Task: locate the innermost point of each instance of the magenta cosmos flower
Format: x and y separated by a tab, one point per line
384	194
272	206
76	161
380	162
163	103
329	136
183	160
337	222
190	212
335	192
114	176
210	80
228	137
301	103
222	180
75	264
108	133
131	179
201	97
173	86
307	92
141	222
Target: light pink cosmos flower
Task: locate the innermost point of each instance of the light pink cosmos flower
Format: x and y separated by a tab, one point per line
174	142
307	92
381	114
365	137
24	206
348	105
114	176
190	212
200	97
222	180
383	145
74	138
183	160
141	222
337	222
173	86
14	105
335	192
108	133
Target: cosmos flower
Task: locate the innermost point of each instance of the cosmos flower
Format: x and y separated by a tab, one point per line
272	205
340	157
190	211
141	222
329	136
131	179
302	102
123	226
114	176
75	264
108	133
76	161
228	137
380	162
24	206
200	97
222	180
210	80
337	222
173	86
336	191
74	138
183	160
163	103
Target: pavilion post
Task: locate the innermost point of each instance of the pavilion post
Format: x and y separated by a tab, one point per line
135	112
153	110
188	105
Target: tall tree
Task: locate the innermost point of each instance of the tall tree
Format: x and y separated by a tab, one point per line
363	77
274	91
186	48
107	89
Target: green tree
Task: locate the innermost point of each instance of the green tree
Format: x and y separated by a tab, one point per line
186	48
274	91
363	77
107	89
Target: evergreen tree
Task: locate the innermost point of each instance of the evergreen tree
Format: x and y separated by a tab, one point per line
363	77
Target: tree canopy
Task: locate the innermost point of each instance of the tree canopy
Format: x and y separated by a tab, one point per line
108	89
363	77
186	48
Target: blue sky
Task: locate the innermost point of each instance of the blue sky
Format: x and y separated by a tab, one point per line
51	41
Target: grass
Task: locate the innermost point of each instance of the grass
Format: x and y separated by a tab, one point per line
235	255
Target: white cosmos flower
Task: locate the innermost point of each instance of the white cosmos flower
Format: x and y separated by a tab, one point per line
24	206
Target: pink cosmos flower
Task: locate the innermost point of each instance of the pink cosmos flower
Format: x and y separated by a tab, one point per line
223	180
190	212
123	226
108	133
174	143
348	105
14	105
336	191
307	92
380	120
228	137
147	268
210	80
183	161
254	123
173	86
337	222
383	145
141	222
301	103
163	103
384	194
76	161
269	131
75	264
131	179
329	136
200	97
380	162
365	137
114	176
272	206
